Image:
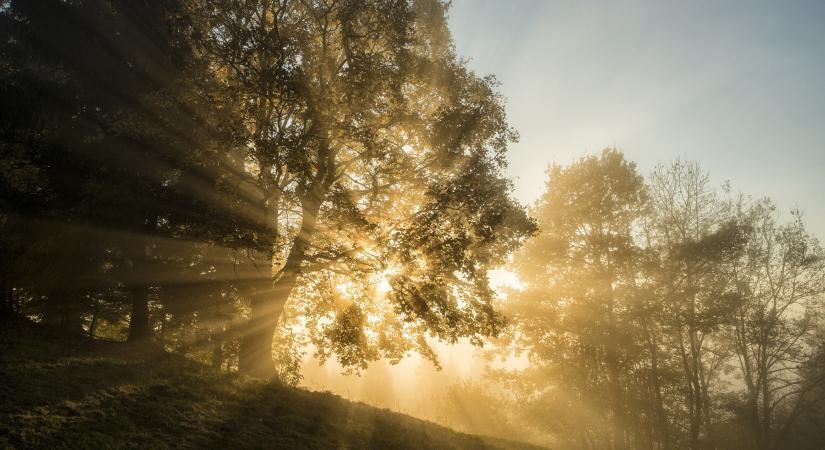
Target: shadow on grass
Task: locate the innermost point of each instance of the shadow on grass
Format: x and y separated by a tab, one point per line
60	391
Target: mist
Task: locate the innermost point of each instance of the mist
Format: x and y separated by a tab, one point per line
411	224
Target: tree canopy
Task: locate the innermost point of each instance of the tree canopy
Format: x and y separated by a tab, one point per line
662	313
218	162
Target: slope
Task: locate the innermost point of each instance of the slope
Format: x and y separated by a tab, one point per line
69	391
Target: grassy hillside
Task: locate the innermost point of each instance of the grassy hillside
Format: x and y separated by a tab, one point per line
59	390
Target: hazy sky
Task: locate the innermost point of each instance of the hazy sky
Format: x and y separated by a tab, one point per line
738	86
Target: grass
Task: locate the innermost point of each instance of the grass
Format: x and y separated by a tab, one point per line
68	391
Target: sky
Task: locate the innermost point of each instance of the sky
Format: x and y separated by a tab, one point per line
738	86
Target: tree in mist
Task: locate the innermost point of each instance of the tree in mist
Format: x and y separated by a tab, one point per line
780	283
243	181
473	408
373	154
692	236
573	317
804	432
711	306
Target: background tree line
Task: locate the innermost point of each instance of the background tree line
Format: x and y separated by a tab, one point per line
662	313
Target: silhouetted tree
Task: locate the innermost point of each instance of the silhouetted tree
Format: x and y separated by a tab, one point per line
693	236
370	148
780	282
112	144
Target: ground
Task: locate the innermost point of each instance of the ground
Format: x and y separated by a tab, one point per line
59	390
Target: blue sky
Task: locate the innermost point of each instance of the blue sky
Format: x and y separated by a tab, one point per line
738	86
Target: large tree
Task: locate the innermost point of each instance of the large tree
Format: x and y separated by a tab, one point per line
372	154
692	237
574	317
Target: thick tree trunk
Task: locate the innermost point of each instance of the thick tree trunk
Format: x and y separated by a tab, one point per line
267	304
255	354
139	320
93	323
255	358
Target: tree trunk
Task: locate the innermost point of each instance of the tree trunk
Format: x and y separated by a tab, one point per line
613	370
766	404
93	323
267	304
694	368
139	320
141	254
616	388
661	415
709	430
255	358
